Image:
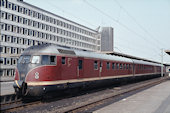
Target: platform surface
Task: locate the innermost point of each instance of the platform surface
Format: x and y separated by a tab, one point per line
6	88
6	79
153	100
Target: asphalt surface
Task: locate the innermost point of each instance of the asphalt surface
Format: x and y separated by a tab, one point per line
153	100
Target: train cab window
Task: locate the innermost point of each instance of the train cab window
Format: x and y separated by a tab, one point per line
63	60
35	60
95	65
24	59
80	64
113	65
108	65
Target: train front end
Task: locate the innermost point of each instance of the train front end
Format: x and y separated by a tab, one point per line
26	64
31	75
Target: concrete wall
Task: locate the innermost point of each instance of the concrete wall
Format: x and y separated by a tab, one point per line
107	39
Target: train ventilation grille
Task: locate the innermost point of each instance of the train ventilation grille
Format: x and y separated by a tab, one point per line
66	51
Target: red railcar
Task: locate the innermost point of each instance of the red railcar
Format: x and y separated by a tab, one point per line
48	68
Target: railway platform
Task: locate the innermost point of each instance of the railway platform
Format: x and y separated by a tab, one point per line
153	100
6	88
6	79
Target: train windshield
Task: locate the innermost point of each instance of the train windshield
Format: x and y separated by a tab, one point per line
24	59
35	60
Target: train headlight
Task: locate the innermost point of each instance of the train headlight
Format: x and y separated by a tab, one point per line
36	75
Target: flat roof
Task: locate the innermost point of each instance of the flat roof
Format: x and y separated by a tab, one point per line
26	3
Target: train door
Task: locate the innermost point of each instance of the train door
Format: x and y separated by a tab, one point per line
134	69
100	69
80	68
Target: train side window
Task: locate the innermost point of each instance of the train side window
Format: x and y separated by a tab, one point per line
95	65
45	59
113	65
63	60
52	59
108	65
124	66
101	64
117	66
80	64
120	66
127	66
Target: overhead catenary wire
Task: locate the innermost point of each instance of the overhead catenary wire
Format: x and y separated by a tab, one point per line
118	22
146	31
71	14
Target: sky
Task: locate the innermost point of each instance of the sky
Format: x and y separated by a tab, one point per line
141	27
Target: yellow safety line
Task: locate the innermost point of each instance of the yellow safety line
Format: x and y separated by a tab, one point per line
17	83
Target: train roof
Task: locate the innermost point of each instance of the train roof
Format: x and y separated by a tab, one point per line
54	49
145	62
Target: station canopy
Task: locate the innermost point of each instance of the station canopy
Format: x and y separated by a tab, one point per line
167	51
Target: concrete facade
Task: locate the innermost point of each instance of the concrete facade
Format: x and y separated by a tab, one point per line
107	39
24	25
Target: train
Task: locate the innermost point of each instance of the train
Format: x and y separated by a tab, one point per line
50	68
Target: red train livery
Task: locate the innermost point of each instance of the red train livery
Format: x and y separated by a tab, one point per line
49	68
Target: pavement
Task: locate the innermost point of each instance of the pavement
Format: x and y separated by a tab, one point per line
6	85
6	79
6	88
153	100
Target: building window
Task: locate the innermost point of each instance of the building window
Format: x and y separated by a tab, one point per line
1	49
2	3
8	61
8	50
1	60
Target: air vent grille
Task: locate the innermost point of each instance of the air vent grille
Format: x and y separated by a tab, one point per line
66	51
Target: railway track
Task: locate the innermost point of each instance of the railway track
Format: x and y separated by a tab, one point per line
18	102
117	92
77	103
